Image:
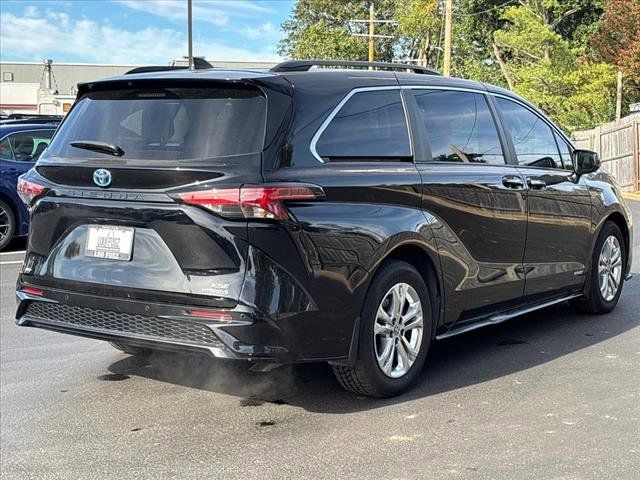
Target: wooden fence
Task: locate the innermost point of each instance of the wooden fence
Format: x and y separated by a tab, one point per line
618	144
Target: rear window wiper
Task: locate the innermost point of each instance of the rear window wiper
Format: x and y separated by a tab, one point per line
102	147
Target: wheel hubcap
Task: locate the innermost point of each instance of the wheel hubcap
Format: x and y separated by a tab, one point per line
4	225
610	268
398	330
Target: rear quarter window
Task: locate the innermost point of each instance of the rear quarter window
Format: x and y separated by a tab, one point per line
370	125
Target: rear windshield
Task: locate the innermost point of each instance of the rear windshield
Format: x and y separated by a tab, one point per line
166	124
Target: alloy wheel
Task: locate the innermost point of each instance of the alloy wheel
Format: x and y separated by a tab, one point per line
610	268
4	225
398	330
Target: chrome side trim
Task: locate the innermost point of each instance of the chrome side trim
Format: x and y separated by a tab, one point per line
334	112
503	317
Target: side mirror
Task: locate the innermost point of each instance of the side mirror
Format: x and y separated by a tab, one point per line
585	161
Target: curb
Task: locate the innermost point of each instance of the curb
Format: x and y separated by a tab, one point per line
631	196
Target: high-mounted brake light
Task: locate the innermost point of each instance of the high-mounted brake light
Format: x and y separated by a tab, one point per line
253	202
28	191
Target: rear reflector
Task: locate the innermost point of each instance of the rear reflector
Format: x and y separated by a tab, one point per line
253	202
212	315
31	291
28	190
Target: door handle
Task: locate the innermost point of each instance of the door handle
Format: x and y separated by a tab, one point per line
536	184
512	181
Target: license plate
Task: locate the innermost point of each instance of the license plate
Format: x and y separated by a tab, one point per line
109	241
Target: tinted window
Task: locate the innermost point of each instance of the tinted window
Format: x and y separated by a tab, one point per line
565	152
459	127
28	146
5	149
371	124
532	137
167	124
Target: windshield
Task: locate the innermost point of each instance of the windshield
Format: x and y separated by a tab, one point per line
166	124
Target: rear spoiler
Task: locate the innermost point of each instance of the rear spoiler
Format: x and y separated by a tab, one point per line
198	63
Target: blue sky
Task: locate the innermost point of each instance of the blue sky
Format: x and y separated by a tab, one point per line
139	31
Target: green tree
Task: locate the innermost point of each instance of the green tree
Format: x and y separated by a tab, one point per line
617	40
538	48
473	44
539	64
318	29
419	30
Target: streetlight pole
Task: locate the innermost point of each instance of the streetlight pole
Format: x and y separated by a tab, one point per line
190	33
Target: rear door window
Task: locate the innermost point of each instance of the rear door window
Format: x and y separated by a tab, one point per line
532	138
166	124
370	125
5	149
459	127
28	146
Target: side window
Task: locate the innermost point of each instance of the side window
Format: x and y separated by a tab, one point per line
532	138
369	125
5	149
28	146
459	127
565	152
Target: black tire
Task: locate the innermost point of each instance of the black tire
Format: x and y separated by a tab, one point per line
366	377
7	225
593	301
132	350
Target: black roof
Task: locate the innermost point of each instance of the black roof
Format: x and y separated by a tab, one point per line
301	73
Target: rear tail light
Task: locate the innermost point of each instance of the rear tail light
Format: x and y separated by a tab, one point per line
31	291
29	190
253	202
211	314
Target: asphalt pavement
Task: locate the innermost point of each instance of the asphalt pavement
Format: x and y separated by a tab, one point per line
551	395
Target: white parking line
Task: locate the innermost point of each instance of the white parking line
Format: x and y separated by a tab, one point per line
12	263
12	253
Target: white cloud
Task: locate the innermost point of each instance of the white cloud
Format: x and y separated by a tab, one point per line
31	11
210	11
59	36
266	31
175	10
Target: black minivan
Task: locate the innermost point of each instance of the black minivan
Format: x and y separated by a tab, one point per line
306	213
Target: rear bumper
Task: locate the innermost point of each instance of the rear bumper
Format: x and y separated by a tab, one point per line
236	333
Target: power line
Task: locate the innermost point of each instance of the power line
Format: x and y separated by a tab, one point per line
372	35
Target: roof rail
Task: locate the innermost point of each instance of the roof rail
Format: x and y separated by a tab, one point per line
305	65
198	63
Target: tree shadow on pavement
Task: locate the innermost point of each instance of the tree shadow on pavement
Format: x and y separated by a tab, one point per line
458	362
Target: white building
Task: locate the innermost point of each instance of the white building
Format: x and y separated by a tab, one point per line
50	88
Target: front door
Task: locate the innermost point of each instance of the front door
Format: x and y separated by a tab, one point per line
558	204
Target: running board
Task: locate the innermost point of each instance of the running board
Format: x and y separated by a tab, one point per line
502	317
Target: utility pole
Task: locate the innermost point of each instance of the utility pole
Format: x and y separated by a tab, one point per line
448	14
619	96
190	33
372	32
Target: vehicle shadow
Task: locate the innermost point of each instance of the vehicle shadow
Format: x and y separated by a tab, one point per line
458	362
